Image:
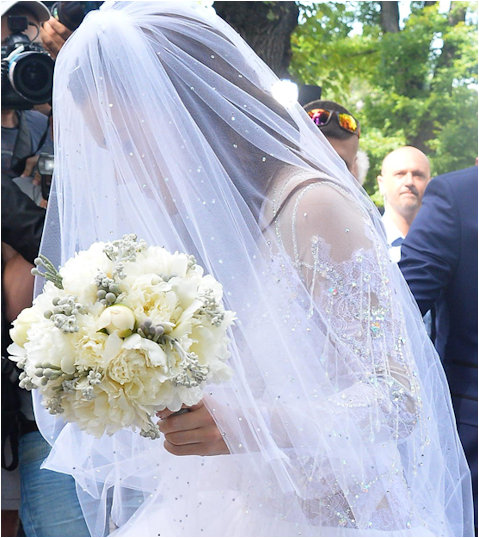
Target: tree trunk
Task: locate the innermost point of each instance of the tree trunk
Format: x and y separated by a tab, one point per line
266	27
457	14
390	16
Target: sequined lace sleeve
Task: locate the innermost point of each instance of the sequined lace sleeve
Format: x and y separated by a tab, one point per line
347	276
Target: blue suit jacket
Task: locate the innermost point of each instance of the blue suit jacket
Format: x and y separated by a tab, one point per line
439	262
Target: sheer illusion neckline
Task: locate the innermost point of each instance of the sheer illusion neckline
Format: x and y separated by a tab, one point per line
286	184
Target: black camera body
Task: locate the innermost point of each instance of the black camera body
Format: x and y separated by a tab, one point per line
27	69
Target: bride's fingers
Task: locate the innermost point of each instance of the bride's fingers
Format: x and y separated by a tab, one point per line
192	420
208	435
188	450
196	449
199	405
192	433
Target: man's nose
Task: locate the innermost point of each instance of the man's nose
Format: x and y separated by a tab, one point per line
408	179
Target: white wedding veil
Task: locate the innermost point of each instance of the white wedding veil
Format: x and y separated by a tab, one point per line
338	416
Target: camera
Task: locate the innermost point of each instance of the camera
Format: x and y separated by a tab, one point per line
71	14
27	69
45	166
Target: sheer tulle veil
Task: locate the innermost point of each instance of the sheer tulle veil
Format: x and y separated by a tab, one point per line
165	126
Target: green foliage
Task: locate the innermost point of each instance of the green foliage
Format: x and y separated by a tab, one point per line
417	86
325	53
455	144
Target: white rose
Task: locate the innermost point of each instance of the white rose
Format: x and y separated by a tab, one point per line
117	319
21	325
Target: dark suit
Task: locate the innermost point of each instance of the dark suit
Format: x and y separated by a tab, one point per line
439	262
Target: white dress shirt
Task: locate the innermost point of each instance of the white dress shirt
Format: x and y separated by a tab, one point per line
394	237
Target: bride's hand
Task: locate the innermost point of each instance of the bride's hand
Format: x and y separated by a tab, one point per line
192	433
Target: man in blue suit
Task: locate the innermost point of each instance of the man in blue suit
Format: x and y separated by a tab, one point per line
439	262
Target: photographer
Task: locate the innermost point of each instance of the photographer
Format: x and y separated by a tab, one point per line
26	81
53	35
66	18
48	502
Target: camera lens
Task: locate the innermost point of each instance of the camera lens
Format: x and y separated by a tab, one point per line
32	76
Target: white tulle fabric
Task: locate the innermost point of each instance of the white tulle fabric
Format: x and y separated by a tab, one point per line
338	416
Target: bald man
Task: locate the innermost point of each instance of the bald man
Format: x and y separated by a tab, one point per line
405	173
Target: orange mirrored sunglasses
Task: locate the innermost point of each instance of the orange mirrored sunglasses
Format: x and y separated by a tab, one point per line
322	117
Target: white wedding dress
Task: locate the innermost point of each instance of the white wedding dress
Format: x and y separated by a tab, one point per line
332	257
338	417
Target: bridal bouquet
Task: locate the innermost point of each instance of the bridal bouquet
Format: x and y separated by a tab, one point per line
121	331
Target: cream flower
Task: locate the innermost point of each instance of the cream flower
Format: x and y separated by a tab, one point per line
117	319
155	354
24	321
79	272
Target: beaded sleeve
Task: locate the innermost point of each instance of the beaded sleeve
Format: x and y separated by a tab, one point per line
347	275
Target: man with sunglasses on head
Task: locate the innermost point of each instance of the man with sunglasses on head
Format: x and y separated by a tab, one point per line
340	127
405	174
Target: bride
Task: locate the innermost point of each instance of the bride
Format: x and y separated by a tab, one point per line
337	420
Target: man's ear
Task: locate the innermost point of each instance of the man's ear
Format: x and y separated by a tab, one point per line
380	184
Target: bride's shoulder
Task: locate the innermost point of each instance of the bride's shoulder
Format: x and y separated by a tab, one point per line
318	206
325	191
293	187
322	196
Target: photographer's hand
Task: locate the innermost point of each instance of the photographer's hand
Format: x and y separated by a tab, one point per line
31	170
53	35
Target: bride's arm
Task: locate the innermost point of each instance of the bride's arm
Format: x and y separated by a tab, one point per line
347	273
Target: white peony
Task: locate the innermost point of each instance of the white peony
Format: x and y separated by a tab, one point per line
79	272
155	354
